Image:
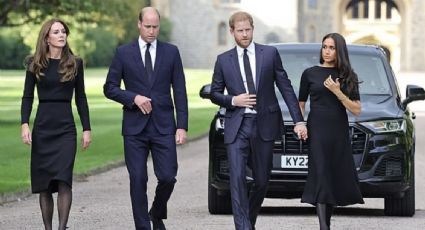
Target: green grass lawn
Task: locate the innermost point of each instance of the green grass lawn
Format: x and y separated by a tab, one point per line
106	116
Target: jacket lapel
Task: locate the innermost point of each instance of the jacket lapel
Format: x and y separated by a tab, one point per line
258	64
138	61
236	69
158	59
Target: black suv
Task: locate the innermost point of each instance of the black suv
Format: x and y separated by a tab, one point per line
383	136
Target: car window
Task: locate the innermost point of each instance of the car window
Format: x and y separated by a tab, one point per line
296	63
370	70
371	73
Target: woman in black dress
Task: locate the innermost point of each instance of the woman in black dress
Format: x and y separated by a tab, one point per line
56	73
333	89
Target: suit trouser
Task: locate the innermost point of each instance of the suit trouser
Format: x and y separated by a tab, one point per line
164	156
248	149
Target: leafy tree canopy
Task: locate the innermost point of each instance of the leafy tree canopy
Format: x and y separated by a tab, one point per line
118	16
19	12
96	26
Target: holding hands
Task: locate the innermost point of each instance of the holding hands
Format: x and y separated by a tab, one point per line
301	130
249	101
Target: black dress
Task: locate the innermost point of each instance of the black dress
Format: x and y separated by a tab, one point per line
54	135
332	177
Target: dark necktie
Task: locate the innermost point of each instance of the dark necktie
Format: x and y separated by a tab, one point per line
248	73
148	63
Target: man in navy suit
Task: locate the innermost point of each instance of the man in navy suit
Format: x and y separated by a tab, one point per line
149	69
253	118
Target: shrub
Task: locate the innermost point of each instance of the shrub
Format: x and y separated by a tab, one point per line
13	50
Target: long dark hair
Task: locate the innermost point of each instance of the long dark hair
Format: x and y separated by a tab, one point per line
347	76
38	62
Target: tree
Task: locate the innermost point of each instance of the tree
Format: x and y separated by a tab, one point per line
115	20
19	12
13	49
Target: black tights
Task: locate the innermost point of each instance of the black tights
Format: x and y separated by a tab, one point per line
64	206
324	212
46	206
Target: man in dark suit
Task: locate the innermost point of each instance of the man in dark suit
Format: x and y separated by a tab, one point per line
149	69
253	118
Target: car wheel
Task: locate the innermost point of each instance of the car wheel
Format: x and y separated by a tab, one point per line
218	203
404	206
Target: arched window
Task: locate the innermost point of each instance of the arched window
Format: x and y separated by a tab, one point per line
358	9
384	8
222	32
376	9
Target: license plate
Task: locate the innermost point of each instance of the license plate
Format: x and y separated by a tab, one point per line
294	161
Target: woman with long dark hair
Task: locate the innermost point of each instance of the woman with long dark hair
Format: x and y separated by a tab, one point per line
333	88
56	73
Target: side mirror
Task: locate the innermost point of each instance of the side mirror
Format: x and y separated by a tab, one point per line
205	91
413	93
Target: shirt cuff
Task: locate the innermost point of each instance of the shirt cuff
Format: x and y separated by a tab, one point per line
301	123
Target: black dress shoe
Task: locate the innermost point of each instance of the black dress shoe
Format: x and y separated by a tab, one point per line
157	224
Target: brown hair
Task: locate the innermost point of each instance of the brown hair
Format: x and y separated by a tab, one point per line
240	16
143	11
38	62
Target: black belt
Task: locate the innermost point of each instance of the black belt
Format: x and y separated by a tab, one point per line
54	101
249	115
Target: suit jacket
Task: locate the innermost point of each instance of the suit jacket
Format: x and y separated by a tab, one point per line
127	66
269	70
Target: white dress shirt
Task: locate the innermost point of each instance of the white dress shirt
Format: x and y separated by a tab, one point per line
152	50
251	56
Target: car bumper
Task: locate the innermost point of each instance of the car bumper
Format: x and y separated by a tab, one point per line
294	189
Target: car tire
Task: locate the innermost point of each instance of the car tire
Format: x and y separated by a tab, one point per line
404	206
218	203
